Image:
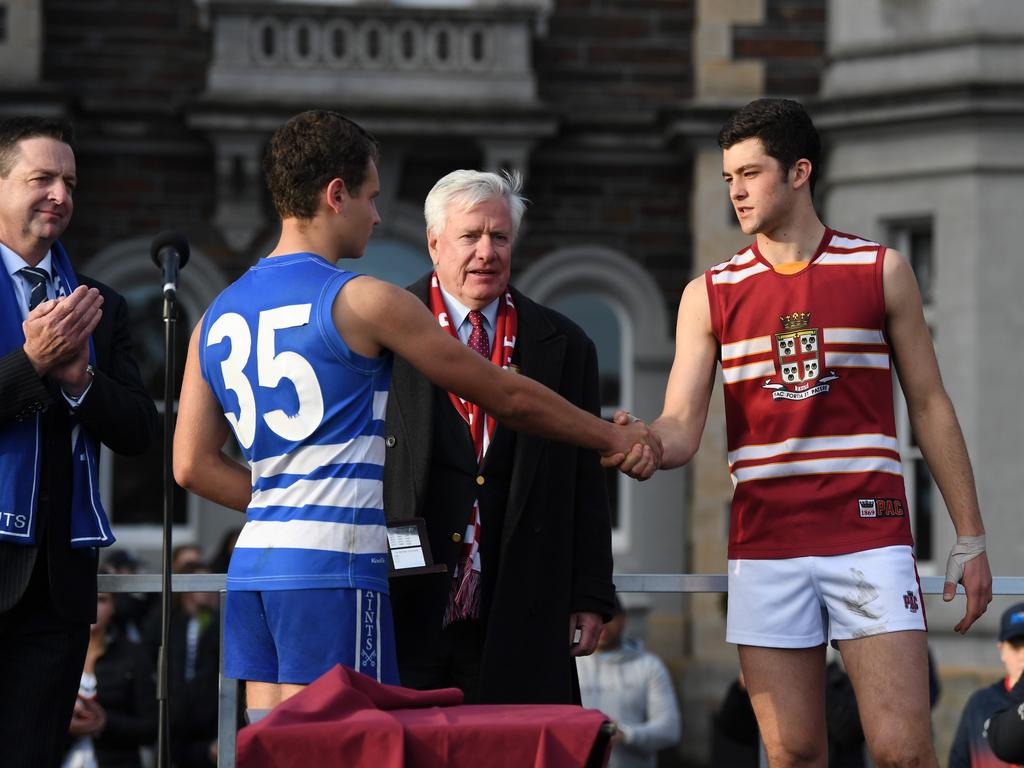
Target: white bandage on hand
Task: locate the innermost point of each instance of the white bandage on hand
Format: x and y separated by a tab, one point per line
966	548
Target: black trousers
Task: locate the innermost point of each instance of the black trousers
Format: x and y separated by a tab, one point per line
453	663
41	660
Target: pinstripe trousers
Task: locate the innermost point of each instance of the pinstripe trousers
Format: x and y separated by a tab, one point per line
41	658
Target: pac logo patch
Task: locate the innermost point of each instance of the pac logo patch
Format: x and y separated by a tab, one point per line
880	507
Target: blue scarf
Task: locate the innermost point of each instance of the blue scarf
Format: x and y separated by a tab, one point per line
21	442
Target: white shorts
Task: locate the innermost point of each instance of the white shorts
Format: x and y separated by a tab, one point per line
801	602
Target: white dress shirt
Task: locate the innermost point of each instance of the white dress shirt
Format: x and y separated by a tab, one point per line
458	315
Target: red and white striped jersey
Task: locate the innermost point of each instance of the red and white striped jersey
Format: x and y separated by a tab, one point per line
808	401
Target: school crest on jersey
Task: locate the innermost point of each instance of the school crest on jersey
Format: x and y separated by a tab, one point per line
799	360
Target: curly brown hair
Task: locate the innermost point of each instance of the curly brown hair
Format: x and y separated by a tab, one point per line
310	150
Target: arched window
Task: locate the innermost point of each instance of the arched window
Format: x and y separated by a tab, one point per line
621	309
604	322
132	486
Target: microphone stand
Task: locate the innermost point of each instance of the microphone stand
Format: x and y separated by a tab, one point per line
169	251
163	757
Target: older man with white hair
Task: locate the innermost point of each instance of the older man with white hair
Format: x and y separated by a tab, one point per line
522	523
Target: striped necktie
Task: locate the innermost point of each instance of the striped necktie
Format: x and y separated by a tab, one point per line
37	278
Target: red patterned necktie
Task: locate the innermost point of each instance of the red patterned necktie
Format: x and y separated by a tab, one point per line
478	339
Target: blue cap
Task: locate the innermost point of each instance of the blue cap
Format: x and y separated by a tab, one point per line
1012	623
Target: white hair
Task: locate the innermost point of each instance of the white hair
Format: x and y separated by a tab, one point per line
468	189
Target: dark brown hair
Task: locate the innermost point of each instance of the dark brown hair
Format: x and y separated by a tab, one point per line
784	128
14	130
310	150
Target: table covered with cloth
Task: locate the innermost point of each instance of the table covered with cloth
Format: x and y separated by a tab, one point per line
347	719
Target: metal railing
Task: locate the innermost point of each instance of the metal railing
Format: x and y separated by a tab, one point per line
227	688
624	582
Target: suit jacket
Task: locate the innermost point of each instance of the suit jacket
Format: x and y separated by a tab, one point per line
117	411
555	545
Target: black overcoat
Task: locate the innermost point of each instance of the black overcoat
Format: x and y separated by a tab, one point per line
555	549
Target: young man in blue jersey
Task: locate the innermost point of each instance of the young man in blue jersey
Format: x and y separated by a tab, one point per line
294	359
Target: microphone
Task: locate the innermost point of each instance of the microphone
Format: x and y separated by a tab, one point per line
170	251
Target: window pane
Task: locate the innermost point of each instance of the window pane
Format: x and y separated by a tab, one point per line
146	310
138	496
598	319
137	481
915	239
921	260
600	322
395	261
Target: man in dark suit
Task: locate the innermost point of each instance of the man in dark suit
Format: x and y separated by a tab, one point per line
67	383
522	523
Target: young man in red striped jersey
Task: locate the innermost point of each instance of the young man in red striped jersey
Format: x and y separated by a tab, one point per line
807	323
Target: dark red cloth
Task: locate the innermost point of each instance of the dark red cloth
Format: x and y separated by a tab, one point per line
347	719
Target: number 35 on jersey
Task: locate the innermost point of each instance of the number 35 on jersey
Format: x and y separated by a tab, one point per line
271	368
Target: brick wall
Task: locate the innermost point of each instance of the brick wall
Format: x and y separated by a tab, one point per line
791	42
608	68
127	69
617	54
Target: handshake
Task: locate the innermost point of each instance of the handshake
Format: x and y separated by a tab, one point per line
642	457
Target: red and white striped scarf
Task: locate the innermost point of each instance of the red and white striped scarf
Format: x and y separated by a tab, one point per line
464	596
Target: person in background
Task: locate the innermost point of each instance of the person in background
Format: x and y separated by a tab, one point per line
116	711
185	555
970	748
131	609
633	688
222	557
193	676
194	623
1006	727
736	733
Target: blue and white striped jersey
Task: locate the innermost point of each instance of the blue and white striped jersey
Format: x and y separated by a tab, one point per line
308	413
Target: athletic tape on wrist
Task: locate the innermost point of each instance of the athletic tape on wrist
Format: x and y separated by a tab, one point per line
966	548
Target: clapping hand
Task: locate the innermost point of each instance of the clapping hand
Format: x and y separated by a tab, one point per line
57	332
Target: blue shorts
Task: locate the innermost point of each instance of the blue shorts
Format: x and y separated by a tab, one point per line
294	636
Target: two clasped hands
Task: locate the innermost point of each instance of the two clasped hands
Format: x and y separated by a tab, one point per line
644	458
57	337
